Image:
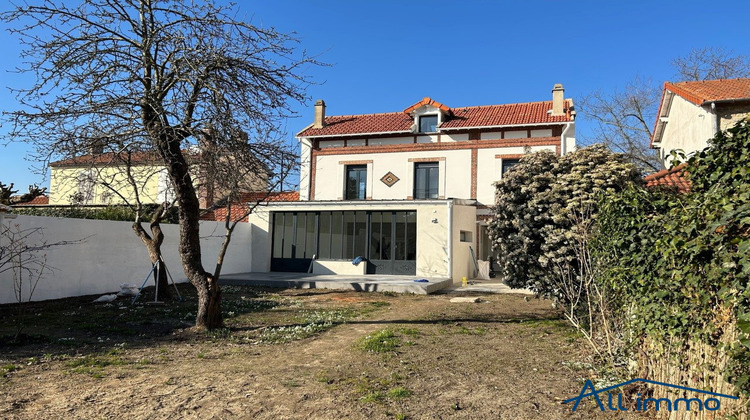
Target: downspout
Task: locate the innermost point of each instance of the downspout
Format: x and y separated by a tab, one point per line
717	119
563	142
450	239
308	143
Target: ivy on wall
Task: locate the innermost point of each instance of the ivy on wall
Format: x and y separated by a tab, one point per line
677	265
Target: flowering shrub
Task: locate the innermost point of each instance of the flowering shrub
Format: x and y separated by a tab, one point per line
543	205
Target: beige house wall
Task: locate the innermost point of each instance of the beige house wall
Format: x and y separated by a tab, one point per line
154	185
68	180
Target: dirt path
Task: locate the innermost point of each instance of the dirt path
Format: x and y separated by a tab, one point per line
500	359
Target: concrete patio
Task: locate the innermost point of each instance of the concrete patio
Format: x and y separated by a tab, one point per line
367	283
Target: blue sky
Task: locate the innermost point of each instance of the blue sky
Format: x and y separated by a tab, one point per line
385	55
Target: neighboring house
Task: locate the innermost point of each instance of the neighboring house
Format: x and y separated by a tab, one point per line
690	113
102	179
409	190
41	200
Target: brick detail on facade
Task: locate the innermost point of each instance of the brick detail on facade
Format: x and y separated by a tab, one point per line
355	162
509	156
427	159
474	174
421	147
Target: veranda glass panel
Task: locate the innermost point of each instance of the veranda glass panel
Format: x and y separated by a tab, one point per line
376	219
400	240
310	242
288	238
278	234
337	235
360	235
349	235
324	241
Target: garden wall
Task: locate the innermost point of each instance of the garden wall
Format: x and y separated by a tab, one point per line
108	254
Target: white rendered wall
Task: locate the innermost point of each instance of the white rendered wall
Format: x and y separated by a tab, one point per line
489	169
689	127
464	218
110	254
455	174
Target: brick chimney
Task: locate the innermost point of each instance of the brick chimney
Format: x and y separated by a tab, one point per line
320	114
558	101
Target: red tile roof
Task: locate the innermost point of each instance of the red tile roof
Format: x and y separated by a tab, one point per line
529	113
427	101
136	157
670	178
711	90
41	200
272	196
240	208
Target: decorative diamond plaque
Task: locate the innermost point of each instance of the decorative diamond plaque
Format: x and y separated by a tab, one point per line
389	179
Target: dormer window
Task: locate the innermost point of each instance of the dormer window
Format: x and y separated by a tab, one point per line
428	123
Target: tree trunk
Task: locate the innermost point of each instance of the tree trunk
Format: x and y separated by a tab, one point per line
188	210
209	305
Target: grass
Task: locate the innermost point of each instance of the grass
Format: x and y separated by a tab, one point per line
398	393
93	365
383	341
9	368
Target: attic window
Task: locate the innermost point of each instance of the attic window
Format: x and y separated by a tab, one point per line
428	123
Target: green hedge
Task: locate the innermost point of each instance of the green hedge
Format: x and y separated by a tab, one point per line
678	265
121	213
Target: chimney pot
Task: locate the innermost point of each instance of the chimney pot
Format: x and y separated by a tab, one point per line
320	114
558	100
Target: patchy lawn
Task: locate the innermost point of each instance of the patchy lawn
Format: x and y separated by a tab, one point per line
293	354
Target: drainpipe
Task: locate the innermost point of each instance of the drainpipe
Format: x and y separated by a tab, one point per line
563	142
450	239
717	119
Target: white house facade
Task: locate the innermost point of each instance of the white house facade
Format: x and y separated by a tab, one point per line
407	191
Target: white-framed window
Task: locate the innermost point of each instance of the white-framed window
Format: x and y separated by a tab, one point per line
86	183
428	123
507	164
165	190
426	180
356	182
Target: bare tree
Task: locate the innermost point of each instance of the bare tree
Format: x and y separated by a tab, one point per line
709	63
158	73
624	119
23	254
7	194
272	156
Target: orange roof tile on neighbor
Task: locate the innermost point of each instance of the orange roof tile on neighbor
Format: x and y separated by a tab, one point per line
670	178
529	113
272	196
41	200
701	92
240	208
110	157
